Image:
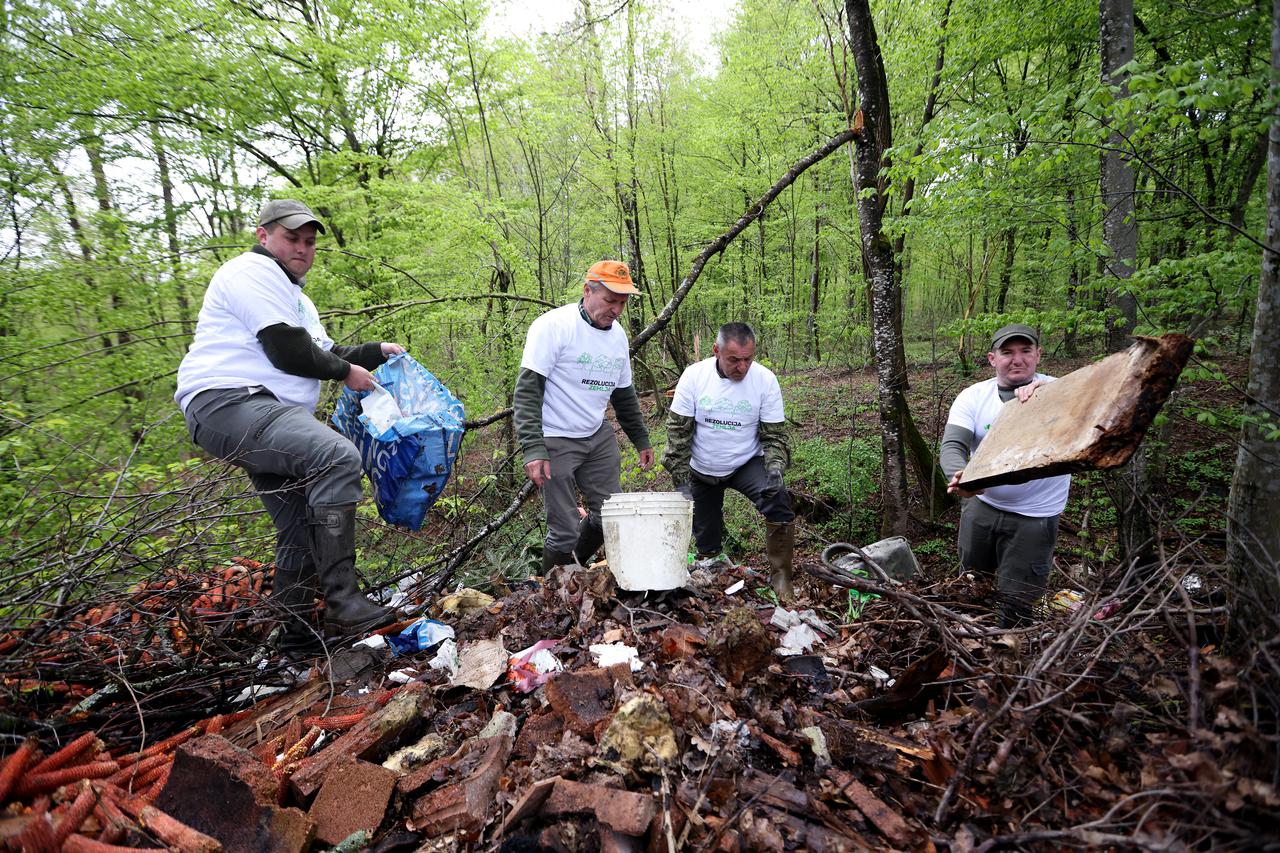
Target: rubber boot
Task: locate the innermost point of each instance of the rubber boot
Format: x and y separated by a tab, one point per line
590	538
551	559
293	598
780	545
331	530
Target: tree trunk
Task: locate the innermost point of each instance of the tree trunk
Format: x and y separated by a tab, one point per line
1069	343
877	250
1130	485
1253	536
1119	223
171	228
1006	273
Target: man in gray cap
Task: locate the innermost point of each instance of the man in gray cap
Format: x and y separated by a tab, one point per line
1008	531
248	388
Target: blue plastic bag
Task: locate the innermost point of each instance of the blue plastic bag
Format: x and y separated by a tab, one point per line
409	459
420	636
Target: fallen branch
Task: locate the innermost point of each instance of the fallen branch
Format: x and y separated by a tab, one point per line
722	242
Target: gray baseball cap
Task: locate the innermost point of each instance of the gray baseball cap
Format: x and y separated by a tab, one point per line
290	213
1014	330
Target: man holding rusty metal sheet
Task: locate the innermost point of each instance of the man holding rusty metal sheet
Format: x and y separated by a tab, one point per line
1005	531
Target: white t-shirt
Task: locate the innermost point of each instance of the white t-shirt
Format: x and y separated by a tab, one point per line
582	366
975	409
247	294
727	414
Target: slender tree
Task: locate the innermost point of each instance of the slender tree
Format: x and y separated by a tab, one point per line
1253	534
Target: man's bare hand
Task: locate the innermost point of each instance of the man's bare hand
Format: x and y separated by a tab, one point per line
538	470
1024	392
359	379
390	349
953	488
646	458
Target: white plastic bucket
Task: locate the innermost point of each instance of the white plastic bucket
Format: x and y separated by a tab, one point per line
646	539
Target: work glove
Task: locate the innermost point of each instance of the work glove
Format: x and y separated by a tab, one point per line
685	489
773	484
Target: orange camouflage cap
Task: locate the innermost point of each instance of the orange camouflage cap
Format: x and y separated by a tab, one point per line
613	275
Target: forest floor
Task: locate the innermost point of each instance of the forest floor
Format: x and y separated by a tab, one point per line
1123	719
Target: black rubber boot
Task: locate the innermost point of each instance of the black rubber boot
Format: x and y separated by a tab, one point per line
551	559
590	538
331	531
293	599
1015	612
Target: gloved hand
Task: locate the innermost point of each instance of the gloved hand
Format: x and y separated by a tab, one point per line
685	489
773	484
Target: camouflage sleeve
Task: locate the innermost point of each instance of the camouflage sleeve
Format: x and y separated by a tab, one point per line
777	450
679	447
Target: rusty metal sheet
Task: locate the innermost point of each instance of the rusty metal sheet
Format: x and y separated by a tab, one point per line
1092	418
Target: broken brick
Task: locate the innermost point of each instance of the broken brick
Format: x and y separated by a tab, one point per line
224	792
582	699
368	736
354	796
622	811
463	806
537	730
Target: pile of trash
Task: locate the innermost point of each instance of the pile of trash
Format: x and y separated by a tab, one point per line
569	714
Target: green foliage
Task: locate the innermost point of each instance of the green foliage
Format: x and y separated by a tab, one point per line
845	474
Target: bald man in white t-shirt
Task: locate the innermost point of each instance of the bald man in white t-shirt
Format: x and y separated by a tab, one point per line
1007	531
727	430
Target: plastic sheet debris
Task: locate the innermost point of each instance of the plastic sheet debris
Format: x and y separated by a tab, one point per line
529	669
379	410
254	692
735	731
1071	600
446	658
609	654
420	636
373	641
735	588
801	630
1066	599
798	640
881	677
402	676
783	618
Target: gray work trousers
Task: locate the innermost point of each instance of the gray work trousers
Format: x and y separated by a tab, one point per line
1017	549
593	465
708	502
294	460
